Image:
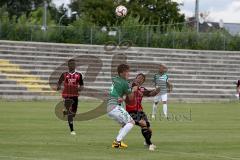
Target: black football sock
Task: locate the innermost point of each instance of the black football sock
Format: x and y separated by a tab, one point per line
71	126
70	122
147	134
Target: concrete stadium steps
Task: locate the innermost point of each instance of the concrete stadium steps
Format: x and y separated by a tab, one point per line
7	69
63	48
6	83
106	72
225	85
50	65
132	55
173	70
59	46
172	64
179	58
42	60
106	68
189	78
162	53
197	75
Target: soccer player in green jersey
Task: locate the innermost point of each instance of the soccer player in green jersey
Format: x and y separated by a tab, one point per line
161	80
115	108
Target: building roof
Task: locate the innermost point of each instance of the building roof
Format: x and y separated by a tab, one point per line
232	28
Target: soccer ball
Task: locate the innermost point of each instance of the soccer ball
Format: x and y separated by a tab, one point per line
121	11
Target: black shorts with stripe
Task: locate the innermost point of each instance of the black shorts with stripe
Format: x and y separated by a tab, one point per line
71	105
139	115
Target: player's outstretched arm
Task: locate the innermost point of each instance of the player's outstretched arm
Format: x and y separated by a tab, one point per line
170	87
59	83
151	93
81	83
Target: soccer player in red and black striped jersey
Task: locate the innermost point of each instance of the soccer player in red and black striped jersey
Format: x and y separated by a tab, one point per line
73	84
135	109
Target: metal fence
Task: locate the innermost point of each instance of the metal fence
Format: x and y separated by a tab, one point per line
142	36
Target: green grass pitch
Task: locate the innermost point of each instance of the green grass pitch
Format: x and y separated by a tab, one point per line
31	131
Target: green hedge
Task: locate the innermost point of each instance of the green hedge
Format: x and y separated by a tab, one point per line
142	36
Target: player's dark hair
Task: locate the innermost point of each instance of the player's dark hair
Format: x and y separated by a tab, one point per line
136	83
122	68
71	60
141	74
162	65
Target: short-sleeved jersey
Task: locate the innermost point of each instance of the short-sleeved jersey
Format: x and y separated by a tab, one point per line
119	88
71	83
160	80
135	104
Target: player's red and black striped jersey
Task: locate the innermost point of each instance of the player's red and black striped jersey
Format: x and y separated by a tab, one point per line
71	83
135	104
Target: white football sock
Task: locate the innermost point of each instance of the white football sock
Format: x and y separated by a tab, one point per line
124	131
120	130
165	109
154	109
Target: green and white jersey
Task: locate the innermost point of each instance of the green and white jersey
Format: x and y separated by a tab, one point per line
119	88
160	80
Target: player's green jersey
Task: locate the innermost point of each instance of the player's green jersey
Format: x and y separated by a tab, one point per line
119	88
160	80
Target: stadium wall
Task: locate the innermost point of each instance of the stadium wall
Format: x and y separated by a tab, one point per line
29	70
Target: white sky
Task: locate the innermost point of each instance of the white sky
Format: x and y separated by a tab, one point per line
228	10
59	2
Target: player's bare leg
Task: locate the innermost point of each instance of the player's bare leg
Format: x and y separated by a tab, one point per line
165	109
154	110
70	114
70	122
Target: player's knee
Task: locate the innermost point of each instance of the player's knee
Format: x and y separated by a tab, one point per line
132	121
142	123
150	130
70	119
164	102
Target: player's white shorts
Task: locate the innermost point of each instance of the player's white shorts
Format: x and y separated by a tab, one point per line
161	97
120	115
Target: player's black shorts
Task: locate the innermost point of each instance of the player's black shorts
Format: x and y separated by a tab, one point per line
71	105
139	115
